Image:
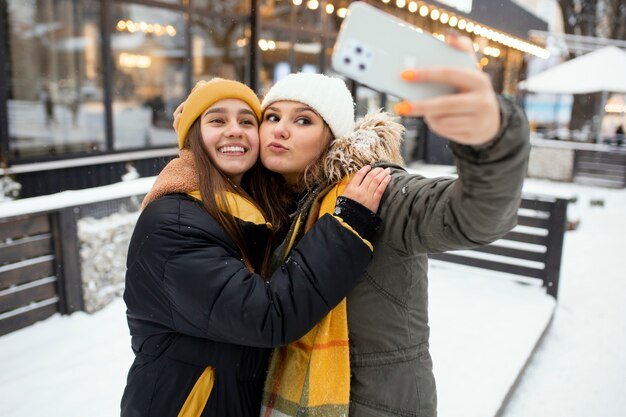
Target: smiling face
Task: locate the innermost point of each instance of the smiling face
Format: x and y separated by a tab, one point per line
293	136
230	134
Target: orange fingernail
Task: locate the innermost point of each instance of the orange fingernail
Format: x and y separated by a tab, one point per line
409	75
403	108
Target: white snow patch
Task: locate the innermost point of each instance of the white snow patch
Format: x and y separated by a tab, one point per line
483	325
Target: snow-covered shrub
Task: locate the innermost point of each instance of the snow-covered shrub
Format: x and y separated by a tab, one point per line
9	188
103	251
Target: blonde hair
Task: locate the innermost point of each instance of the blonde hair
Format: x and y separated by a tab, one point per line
375	138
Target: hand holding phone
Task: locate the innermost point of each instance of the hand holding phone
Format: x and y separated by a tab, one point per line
373	47
439	81
470	116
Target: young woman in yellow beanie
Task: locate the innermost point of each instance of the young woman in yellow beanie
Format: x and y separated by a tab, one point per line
202	318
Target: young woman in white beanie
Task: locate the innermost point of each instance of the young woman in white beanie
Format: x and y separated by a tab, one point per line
202	321
370	356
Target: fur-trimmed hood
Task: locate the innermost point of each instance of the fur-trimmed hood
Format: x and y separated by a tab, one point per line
376	138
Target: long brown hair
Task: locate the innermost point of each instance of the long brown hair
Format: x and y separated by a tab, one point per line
260	186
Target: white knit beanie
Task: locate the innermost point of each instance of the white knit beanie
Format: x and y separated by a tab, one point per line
328	96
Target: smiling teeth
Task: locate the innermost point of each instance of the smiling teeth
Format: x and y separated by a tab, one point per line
229	149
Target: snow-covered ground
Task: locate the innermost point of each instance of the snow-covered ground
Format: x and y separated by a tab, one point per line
76	365
580	368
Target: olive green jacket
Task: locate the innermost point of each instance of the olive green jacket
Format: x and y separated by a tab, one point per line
388	309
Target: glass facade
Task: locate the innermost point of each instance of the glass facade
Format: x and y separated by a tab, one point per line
54	73
84	78
219	47
81	78
148	59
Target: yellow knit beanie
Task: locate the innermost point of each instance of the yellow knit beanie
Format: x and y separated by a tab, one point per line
207	93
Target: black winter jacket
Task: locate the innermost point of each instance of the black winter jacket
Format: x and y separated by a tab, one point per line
192	304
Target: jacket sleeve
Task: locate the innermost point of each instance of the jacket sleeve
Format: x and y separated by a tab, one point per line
480	206
213	295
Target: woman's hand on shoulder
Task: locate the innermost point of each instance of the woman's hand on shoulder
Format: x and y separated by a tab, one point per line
368	186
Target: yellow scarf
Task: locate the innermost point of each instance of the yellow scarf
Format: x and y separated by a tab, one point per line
312	375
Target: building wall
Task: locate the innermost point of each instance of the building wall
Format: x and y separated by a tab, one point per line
90	78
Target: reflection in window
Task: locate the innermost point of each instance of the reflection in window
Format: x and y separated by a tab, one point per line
55	83
276	11
308	53
308	14
148	55
276	58
239	7
219	48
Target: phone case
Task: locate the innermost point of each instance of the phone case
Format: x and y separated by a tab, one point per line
373	47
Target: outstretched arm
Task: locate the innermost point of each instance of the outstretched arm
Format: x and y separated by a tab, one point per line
489	138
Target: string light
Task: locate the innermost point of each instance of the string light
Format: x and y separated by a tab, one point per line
435	14
615	108
266	45
151	28
134	60
312	4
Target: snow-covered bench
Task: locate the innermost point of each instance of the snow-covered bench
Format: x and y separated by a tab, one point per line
532	249
490	308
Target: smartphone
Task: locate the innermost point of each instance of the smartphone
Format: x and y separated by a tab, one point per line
373	47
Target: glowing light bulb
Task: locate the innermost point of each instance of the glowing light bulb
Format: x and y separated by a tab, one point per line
312	4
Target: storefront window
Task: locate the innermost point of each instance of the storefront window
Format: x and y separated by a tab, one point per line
308	14
239	7
275	11
332	13
54	78
308	53
149	65
219	48
276	57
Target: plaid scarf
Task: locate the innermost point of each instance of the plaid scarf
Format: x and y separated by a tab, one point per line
311	377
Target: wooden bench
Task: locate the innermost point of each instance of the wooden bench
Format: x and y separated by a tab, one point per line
532	249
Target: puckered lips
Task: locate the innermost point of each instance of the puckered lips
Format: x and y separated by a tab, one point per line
233	149
276	147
